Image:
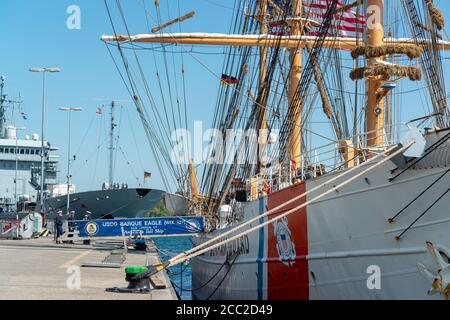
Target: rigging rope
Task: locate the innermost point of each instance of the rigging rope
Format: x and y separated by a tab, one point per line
422	214
284	204
391	220
156	143
431	60
184	257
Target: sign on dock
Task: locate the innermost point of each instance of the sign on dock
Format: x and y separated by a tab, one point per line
143	227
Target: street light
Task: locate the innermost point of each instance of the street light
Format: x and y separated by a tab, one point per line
68	155
43	71
15	174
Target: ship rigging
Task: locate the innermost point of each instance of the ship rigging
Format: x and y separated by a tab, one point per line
289	65
287	33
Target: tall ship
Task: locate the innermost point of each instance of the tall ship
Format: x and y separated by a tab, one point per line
314	185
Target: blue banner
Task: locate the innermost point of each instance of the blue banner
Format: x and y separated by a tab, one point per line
144	227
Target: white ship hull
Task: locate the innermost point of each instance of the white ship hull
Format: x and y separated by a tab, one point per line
334	248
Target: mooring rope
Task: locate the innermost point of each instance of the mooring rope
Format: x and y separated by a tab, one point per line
188	256
274	210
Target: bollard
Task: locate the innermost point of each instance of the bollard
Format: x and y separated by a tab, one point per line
138	285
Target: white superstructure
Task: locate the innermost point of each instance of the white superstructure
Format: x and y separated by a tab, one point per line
20	162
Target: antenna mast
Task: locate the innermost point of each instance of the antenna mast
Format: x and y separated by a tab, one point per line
111	146
2	106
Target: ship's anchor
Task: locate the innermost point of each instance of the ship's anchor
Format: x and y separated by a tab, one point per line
440	281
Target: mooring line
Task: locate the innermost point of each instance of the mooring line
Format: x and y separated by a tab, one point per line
273	210
181	259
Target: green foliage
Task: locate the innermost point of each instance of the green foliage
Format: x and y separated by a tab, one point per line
159	210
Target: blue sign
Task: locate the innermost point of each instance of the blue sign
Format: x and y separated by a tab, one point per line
143	227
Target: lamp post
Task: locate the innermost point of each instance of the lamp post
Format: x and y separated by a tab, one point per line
68	154
43	71
15	173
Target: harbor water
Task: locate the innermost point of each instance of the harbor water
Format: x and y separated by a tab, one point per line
181	275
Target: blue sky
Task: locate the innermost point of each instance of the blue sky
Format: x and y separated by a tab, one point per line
34	34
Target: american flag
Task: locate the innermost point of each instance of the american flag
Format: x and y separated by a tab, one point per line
345	23
284	242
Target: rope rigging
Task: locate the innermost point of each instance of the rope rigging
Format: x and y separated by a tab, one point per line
255	93
253	101
431	58
207	246
155	138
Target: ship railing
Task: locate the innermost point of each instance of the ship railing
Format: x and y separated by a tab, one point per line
328	155
320	160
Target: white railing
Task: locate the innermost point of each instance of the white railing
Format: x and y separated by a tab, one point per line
318	161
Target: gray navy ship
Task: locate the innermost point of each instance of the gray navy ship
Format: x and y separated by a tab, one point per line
20	177
120	201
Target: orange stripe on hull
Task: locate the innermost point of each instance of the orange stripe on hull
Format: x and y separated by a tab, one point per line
287	267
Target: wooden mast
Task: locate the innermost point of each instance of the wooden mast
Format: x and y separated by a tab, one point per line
193	181
295	74
375	112
262	13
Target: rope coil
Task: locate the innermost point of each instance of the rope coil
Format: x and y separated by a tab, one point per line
436	15
412	52
413	73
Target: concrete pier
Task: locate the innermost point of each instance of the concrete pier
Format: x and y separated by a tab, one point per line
41	269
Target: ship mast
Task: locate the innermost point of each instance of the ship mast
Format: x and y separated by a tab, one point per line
193	182
262	80
294	80
2	106
111	147
263	30
375	111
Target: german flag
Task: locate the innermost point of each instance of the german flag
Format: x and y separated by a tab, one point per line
228	80
147	175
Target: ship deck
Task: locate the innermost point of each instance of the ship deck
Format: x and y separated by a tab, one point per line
38	269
